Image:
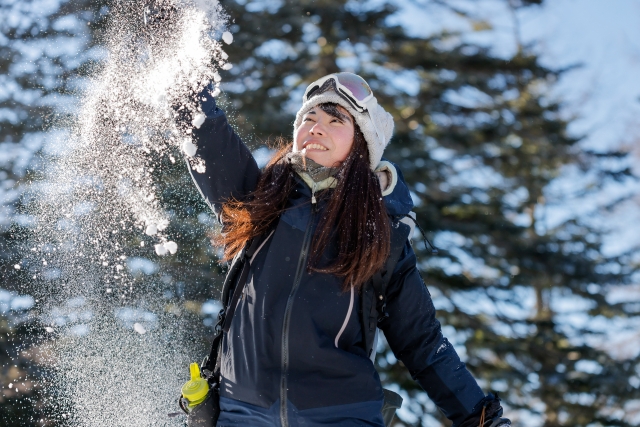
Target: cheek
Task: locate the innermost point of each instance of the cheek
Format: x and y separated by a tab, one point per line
345	146
297	136
347	140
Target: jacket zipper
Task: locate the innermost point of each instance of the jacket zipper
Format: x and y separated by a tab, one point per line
284	419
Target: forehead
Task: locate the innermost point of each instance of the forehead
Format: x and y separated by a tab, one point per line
336	106
331	110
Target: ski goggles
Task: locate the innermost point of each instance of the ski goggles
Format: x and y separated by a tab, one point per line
353	89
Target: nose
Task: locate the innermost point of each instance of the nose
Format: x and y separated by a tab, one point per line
316	129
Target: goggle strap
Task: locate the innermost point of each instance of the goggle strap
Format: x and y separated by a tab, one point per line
371	104
354	103
380	137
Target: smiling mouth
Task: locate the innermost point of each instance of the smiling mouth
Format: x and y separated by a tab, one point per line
315	147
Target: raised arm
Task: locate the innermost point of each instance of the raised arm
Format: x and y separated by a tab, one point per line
230	169
415	336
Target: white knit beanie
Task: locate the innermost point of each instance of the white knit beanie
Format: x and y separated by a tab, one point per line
383	120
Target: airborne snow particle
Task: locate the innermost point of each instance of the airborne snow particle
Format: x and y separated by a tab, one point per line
198	120
162	224
151	230
160	249
189	147
227	66
227	37
200	167
139	328
49	329
172	247
17	266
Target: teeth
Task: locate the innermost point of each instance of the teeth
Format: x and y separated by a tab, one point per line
316	147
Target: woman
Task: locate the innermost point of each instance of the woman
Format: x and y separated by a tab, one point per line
323	212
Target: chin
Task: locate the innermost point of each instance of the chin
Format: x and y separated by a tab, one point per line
326	162
321	160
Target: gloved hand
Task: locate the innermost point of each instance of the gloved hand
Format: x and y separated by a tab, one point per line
498	422
207	100
158	12
487	413
190	116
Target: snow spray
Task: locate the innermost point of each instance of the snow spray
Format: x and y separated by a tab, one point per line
116	351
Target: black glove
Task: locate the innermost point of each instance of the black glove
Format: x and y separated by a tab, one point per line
487	413
184	115
498	422
208	102
158	12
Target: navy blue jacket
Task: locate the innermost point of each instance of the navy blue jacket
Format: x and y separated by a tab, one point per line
296	338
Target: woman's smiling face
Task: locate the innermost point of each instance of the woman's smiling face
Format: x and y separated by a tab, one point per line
326	139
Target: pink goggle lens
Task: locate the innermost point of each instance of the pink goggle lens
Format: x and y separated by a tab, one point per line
356	85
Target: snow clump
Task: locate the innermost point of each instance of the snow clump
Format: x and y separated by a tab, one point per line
139	328
163	248
189	148
198	120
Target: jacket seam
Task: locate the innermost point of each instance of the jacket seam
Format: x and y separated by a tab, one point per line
261	245
346	319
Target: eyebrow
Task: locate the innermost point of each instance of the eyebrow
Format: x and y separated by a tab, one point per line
340	115
343	117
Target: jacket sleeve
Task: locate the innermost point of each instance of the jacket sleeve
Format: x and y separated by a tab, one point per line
415	337
230	169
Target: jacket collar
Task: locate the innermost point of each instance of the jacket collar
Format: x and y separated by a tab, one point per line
396	195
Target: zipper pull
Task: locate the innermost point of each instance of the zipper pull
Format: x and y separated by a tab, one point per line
313	194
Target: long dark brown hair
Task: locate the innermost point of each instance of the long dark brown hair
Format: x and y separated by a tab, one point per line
354	216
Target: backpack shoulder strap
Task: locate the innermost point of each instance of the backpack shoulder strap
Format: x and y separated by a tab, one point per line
231	291
373	295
